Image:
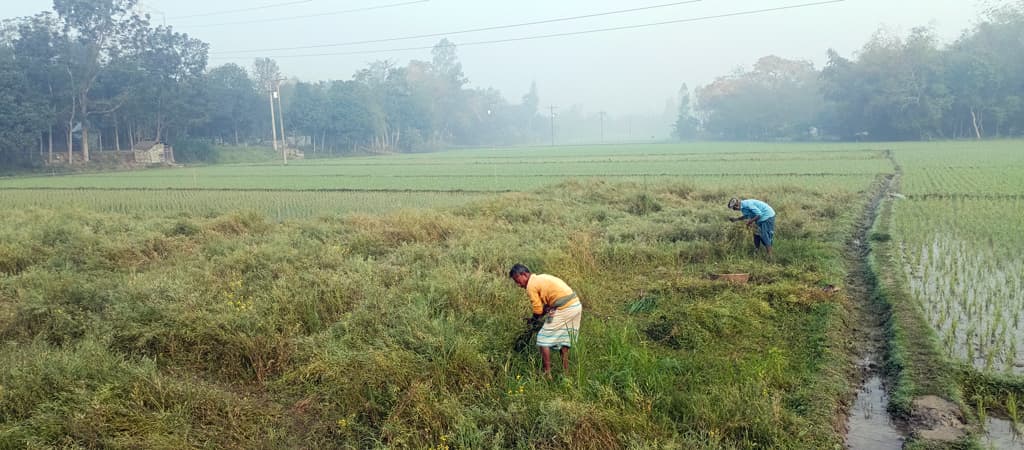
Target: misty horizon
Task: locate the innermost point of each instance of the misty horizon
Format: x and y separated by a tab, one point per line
640	70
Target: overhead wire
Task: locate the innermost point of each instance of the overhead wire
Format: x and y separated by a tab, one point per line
471	30
309	16
242	10
554	35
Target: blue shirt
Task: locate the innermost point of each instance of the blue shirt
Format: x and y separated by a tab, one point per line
754	208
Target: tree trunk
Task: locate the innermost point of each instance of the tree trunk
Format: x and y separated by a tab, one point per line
49	154
99	138
117	135
236	135
71	143
974	120
84	103
159	126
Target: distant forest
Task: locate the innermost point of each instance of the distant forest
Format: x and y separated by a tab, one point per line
894	89
97	75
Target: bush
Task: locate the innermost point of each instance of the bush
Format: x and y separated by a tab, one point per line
195	151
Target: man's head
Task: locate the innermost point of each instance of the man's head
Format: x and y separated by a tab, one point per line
520	274
734	203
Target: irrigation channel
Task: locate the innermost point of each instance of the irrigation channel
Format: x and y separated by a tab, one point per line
868	424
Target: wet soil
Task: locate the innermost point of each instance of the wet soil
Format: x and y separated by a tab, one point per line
1002	434
868	424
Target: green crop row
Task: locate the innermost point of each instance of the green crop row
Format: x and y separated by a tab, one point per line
275	204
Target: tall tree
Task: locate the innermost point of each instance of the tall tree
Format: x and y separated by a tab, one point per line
778	99
172	66
233	100
531	100
37	48
22	113
100	30
448	81
985	72
685	127
267	74
894	91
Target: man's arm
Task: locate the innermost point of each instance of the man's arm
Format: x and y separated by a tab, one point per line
535	303
751	221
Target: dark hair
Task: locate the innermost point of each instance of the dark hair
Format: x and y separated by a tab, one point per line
518	269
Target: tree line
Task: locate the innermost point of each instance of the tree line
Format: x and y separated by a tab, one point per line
894	88
97	75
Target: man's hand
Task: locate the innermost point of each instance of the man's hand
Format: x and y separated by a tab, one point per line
533	320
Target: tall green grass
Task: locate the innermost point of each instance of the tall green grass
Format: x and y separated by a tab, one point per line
395	330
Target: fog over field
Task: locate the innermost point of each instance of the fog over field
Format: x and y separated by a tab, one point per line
622	72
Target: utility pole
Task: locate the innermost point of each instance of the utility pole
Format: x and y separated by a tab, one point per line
602	113
273	122
280	116
553	124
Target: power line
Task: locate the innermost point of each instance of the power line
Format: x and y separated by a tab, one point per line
241	10
471	30
308	16
571	33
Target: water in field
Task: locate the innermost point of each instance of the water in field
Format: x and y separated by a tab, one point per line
1002	434
869	426
974	298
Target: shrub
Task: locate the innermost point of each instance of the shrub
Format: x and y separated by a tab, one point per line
195	151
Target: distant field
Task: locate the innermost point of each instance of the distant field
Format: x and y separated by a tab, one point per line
382	183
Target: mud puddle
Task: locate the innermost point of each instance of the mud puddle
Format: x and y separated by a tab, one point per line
1001	434
869	425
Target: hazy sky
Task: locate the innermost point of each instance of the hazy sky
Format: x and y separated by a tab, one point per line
627	71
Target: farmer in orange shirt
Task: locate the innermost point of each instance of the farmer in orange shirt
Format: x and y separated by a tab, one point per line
558	305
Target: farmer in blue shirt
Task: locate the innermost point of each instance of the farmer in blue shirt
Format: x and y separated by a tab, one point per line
756	211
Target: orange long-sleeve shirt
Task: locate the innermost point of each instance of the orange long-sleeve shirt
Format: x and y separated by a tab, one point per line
544	289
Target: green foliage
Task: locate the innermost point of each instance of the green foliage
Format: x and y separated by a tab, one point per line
778	99
195	151
394	330
643	204
231	154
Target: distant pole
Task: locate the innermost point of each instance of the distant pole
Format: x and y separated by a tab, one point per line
280	116
553	125
602	126
273	123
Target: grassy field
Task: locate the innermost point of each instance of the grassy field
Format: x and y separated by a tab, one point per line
378	184
956	242
363	302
